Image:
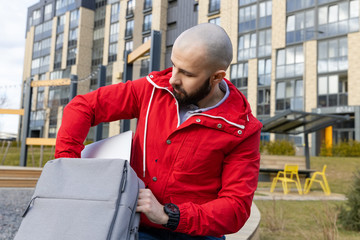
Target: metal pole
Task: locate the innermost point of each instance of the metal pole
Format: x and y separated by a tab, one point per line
307	152
101	83
26	122
155	51
73	86
128	69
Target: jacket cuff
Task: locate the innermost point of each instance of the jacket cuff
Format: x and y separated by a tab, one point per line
183	219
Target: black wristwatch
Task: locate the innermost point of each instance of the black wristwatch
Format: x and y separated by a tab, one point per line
174	216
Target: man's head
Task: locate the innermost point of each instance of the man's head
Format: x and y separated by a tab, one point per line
200	57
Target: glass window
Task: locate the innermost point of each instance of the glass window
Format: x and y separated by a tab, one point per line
48	11
145	67
263	101
147	4
332	55
264	48
129	28
300	26
245	2
115	10
147	22
74	16
290	62
112	52
339	18
264	72
130	7
247	18
215	21
214	5
265	13
239	75
332	90
114	31
293	5
289	95
247	46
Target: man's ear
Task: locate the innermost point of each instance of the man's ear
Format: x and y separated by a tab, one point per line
218	76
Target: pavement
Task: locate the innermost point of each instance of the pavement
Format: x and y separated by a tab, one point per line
293	195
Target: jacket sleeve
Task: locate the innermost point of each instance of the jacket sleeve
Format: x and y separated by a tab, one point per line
106	104
229	212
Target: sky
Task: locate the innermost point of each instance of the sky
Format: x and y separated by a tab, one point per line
12	48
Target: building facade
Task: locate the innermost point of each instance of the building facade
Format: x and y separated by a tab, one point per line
288	54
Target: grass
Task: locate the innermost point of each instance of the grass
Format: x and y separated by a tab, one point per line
310	219
301	220
33	156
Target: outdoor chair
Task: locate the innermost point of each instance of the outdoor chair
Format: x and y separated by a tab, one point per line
323	182
289	175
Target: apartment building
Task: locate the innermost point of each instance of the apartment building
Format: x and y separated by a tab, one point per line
288	54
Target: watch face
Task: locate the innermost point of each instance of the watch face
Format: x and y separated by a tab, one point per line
172	208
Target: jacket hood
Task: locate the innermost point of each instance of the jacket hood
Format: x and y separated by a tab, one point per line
229	106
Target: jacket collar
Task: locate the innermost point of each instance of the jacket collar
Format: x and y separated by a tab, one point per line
230	109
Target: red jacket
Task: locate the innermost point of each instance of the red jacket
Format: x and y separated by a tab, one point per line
208	165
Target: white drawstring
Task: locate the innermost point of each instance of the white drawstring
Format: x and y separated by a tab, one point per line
145	132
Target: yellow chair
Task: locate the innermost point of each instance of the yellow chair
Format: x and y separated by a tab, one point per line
289	175
323	182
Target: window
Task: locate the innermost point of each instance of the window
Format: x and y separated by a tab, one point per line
293	5
214	6
264	72
215	21
73	37
71	56
290	62
48	12
147	23
58	58
59	41
247	18
332	90
246	2
147	4
36	17
114	32
332	55
239	75
61	23
74	18
145	67
289	95
263	101
130	7
247	46
339	18
129	28
63	5
265	12
99	20
42	46
97	53
40	98
146	38
115	9
128	46
112	52
43	28
264	48
40	65
300	26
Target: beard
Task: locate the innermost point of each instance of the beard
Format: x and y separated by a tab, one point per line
194	98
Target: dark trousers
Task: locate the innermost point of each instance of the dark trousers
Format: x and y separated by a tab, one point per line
162	234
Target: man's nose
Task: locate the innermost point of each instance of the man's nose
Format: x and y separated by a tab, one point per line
174	80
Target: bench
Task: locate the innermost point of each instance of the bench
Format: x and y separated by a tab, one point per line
270	165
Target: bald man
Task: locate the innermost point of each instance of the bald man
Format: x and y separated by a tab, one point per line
196	146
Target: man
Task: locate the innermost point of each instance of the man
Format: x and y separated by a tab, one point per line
196	146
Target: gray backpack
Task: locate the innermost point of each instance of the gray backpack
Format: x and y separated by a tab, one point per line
82	199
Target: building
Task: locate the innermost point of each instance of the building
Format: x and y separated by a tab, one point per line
293	54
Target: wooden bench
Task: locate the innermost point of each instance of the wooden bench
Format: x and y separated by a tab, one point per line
19	176
271	164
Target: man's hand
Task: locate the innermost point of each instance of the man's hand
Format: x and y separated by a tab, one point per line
150	206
